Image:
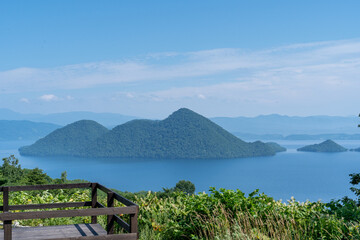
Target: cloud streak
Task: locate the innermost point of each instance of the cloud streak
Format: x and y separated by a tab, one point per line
293	74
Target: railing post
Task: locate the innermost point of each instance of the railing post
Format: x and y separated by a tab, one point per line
7	223
134	222
93	200
110	218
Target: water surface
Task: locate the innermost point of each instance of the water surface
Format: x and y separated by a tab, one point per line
313	176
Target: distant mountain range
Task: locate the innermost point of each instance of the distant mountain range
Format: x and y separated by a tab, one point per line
334	136
184	134
24	130
264	127
285	125
107	119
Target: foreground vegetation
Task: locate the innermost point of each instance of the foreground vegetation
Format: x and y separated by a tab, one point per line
222	214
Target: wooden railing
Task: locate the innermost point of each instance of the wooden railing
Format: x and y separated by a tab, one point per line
96	209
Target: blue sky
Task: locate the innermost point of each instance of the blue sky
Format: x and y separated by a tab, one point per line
149	58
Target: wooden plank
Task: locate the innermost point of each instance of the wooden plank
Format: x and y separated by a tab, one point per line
103	188
7	223
5	199
68	213
133	223
55	232
110	218
7	230
50	205
119	221
123	200
122	223
93	201
127	236
47	187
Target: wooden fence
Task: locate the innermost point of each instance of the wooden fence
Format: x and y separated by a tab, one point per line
96	209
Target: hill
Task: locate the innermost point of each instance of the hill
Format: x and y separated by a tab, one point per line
355	149
24	130
276	147
326	146
184	134
69	140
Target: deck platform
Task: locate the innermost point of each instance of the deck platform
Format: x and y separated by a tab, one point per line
93	208
76	231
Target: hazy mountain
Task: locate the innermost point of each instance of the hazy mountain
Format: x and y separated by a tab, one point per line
106	119
285	125
69	140
268	126
339	136
334	136
184	134
326	146
24	130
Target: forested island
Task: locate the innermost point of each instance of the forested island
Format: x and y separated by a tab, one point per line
326	146
183	135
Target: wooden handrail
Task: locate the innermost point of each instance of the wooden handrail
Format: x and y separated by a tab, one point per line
48	205
67	213
118	197
96	208
46	187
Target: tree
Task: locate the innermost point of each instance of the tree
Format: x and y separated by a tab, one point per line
355	180
64	177
185	186
36	176
11	171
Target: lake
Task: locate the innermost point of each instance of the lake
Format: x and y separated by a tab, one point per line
312	176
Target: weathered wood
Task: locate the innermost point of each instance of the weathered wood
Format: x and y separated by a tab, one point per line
110	218
93	201
133	223
55	232
68	213
50	205
47	187
123	200
103	188
5	199
96	209
119	221
122	224
127	236
99	205
7	230
7	223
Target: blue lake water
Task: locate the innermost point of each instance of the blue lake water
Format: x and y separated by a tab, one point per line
312	176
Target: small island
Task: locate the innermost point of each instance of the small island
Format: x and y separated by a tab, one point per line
326	146
355	149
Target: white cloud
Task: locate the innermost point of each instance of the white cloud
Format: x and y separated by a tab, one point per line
201	96
49	98
294	74
24	100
